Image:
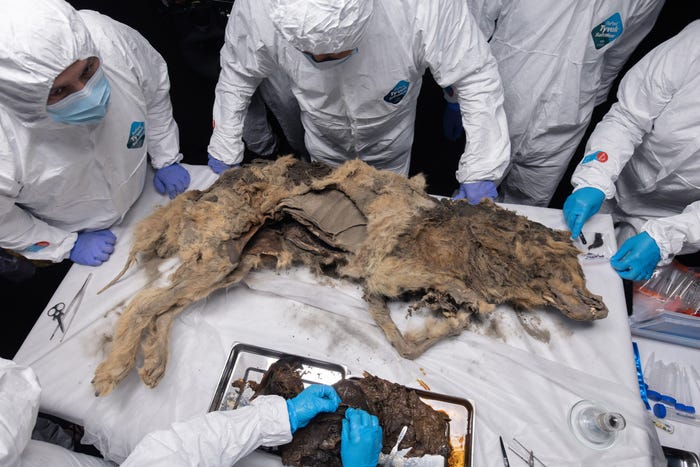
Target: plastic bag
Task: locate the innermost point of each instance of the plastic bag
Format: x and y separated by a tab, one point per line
595	247
674	288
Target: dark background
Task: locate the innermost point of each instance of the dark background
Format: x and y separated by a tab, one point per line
189	36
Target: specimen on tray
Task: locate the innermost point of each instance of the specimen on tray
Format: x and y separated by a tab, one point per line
370	226
396	406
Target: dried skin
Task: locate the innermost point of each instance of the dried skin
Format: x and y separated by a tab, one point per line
455	259
396	406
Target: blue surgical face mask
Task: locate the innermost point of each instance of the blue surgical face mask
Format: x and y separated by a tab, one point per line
89	105
329	63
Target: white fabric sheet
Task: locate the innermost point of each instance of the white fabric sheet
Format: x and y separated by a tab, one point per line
522	385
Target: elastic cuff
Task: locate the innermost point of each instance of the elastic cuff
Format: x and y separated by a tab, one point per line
158	163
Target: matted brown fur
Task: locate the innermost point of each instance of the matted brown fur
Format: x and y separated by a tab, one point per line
456	259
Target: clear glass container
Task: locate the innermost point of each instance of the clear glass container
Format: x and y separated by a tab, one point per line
594	425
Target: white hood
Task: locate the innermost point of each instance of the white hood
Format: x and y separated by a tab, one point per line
38	40
322	26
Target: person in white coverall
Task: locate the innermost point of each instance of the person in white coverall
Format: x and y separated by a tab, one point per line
644	157
274	94
558	60
216	439
356	68
83	101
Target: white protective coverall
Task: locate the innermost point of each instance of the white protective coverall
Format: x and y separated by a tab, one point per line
213	439
58	179
19	406
558	60
651	141
365	105
275	94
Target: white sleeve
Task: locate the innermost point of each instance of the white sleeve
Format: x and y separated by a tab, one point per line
244	63
31	237
644	92
19	406
19	230
459	56
486	13
636	27
40	453
676	234
217	438
162	134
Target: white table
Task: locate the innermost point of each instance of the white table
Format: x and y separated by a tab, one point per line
523	376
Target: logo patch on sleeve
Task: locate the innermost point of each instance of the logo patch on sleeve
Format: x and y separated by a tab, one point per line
137	135
396	94
607	31
599	156
37	246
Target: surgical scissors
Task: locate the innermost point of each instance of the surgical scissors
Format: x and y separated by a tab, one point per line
56	313
59	311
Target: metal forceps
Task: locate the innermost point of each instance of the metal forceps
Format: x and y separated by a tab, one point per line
529	458
56	313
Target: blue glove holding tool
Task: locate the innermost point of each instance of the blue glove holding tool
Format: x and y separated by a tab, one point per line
172	179
580	206
637	257
310	402
474	192
360	439
93	248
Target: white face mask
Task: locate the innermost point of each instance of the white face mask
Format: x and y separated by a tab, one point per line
330	63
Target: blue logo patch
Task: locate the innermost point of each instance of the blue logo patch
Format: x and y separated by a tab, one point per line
607	31
137	135
599	156
396	94
37	246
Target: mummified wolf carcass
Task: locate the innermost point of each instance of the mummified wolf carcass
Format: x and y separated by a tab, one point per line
373	227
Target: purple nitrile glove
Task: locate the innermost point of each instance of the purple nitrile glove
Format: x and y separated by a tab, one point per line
360	439
93	248
310	402
219	166
172	179
637	257
474	192
580	206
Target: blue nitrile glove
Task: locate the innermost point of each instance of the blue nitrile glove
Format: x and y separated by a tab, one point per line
452	122
172	179
637	257
93	248
580	206
474	192
310	402
360	439
218	166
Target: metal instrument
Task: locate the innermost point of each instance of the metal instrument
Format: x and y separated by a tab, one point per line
506	463
59	311
56	313
528	457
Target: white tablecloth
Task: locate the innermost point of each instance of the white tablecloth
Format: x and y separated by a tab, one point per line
523	375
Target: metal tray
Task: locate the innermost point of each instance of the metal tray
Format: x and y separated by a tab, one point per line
249	363
680	458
